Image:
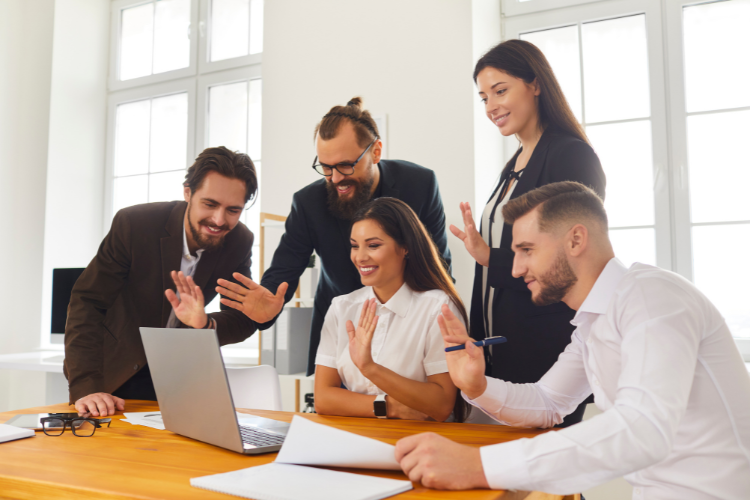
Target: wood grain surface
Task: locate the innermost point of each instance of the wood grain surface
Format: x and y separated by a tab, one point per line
135	462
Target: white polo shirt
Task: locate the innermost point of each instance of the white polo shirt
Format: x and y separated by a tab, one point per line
407	339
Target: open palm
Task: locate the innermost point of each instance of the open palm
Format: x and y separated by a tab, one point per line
189	305
360	338
254	300
466	366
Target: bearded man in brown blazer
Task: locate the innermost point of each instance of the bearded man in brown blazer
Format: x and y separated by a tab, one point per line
151	252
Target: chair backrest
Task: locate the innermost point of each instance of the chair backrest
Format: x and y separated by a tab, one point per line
255	388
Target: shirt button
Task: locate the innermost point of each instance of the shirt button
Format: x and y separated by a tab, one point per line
637	491
135	368
596	382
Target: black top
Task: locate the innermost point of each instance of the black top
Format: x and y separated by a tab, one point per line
536	335
312	227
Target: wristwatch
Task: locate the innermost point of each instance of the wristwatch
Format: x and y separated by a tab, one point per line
379	406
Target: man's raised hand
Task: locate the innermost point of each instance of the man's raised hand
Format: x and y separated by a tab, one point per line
189	307
255	301
465	366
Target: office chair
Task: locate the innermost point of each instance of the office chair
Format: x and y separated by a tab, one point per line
255	388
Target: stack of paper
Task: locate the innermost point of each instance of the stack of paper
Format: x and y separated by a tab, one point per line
309	443
147	418
11	433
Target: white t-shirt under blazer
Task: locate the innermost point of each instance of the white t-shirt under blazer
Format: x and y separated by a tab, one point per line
407	339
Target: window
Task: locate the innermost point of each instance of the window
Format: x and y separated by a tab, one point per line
675	182
184	75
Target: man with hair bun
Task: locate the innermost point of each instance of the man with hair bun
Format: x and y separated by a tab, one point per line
349	149
656	353
154	252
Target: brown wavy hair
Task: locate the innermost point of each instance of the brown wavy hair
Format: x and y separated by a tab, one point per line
230	164
524	60
425	269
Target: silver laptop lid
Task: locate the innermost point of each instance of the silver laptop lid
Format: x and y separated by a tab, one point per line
191	385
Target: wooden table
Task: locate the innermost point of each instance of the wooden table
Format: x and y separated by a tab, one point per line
131	461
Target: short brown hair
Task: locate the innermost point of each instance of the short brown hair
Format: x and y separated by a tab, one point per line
559	202
232	165
363	123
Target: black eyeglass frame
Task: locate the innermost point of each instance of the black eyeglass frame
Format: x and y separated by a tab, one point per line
72	423
343	164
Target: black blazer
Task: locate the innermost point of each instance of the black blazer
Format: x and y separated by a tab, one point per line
536	335
123	287
312	227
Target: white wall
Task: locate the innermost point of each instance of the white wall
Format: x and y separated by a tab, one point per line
25	77
411	60
77	122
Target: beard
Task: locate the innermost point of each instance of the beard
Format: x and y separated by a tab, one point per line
346	208
204	241
555	283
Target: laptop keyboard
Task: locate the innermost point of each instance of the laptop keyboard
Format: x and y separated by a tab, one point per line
260	439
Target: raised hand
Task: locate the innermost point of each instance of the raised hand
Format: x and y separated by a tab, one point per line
255	301
465	366
471	237
360	339
189	307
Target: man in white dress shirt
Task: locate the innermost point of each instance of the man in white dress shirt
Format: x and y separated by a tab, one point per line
655	352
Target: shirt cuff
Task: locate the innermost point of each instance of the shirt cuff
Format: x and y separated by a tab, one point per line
492	399
505	466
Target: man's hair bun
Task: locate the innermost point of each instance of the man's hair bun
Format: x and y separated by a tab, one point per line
355	102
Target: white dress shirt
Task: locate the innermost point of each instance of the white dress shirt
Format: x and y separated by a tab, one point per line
407	338
667	374
188	265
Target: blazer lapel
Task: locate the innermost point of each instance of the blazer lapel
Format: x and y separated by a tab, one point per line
171	254
528	180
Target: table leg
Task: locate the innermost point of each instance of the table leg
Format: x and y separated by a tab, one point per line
296	395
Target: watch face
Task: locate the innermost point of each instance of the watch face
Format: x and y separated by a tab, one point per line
379	407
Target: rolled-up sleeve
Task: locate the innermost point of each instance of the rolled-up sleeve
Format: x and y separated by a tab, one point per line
326	355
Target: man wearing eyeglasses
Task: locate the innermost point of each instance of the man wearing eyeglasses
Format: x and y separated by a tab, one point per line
349	159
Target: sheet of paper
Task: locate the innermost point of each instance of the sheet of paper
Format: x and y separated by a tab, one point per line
147	419
308	443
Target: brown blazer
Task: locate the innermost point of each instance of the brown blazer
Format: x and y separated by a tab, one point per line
123	287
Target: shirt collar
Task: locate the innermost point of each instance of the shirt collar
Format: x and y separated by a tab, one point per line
186	249
601	293
399	303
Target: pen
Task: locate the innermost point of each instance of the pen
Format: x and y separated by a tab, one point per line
487	341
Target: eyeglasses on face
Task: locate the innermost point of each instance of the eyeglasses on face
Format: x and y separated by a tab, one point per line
344	168
80	426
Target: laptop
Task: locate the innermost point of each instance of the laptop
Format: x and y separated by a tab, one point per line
194	396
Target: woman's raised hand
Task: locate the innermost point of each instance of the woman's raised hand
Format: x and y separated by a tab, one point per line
360	339
471	237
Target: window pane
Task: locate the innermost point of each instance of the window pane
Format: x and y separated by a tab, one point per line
560	47
227	116
230	28
136	41
254	120
717	45
719	166
132	138
169	117
171	35
129	191
634	245
166	186
625	152
256	26
252	221
725	285
615	69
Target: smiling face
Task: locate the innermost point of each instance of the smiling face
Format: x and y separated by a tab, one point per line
214	209
348	193
540	259
509	102
378	258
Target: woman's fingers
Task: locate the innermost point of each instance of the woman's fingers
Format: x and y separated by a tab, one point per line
457	232
350	330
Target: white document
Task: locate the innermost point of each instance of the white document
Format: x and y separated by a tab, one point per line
291	482
308	443
11	433
146	418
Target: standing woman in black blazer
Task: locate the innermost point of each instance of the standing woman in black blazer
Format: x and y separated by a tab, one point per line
523	98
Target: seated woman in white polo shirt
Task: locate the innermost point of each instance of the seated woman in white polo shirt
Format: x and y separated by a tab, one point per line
392	362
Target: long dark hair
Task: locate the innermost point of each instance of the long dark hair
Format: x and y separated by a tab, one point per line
524	60
425	269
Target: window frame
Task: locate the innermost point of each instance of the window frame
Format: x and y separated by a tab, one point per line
205	65
602	11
